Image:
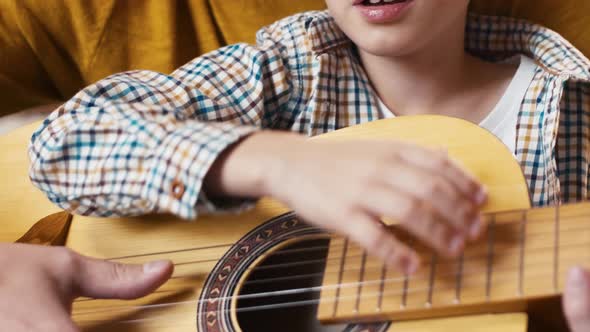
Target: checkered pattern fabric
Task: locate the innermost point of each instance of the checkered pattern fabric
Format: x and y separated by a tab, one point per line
141	142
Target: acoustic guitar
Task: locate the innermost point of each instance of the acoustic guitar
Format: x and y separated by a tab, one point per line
268	270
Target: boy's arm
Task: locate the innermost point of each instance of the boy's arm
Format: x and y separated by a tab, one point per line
142	142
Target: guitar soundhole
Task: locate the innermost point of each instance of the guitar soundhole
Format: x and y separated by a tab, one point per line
298	267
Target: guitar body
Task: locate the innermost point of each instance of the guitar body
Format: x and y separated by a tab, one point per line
220	260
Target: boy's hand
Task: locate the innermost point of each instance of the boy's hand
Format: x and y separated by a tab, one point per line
38	285
348	186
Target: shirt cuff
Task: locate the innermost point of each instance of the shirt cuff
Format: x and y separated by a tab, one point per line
175	178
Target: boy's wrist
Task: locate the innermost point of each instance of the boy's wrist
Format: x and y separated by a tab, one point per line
252	167
282	150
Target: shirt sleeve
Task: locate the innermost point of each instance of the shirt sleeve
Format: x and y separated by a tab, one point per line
142	142
573	143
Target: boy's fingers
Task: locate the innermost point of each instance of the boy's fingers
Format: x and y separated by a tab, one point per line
372	235
416	218
438	162
437	192
436	234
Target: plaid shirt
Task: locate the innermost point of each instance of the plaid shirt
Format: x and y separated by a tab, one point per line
141	142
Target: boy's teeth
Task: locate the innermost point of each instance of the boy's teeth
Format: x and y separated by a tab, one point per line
380	2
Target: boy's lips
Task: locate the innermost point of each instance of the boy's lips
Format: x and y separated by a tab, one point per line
368	2
382	11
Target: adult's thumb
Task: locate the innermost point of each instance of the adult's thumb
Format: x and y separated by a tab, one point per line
110	280
576	300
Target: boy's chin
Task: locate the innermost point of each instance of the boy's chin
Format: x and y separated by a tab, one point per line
389	47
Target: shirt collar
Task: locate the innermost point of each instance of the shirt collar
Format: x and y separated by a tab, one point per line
490	37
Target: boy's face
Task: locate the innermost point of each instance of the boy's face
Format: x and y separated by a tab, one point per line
397	27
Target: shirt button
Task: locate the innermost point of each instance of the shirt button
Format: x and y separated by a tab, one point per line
177	189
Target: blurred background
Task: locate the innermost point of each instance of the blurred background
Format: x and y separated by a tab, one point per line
50	49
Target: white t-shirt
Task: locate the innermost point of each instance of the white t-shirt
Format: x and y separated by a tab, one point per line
503	119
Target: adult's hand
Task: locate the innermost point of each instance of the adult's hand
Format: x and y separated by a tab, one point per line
576	300
38	285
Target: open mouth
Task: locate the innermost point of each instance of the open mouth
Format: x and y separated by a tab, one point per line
376	3
383	11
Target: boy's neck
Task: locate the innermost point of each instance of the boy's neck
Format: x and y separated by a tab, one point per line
438	79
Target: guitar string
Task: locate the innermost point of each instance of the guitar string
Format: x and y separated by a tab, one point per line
286	251
531	250
316	289
337	237
229	245
291	304
316	261
379	266
370	266
337	247
412	291
328	236
355	284
401	280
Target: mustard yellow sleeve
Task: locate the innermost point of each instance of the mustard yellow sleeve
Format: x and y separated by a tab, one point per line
24	82
52	49
49	50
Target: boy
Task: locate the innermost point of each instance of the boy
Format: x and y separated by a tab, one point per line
143	142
